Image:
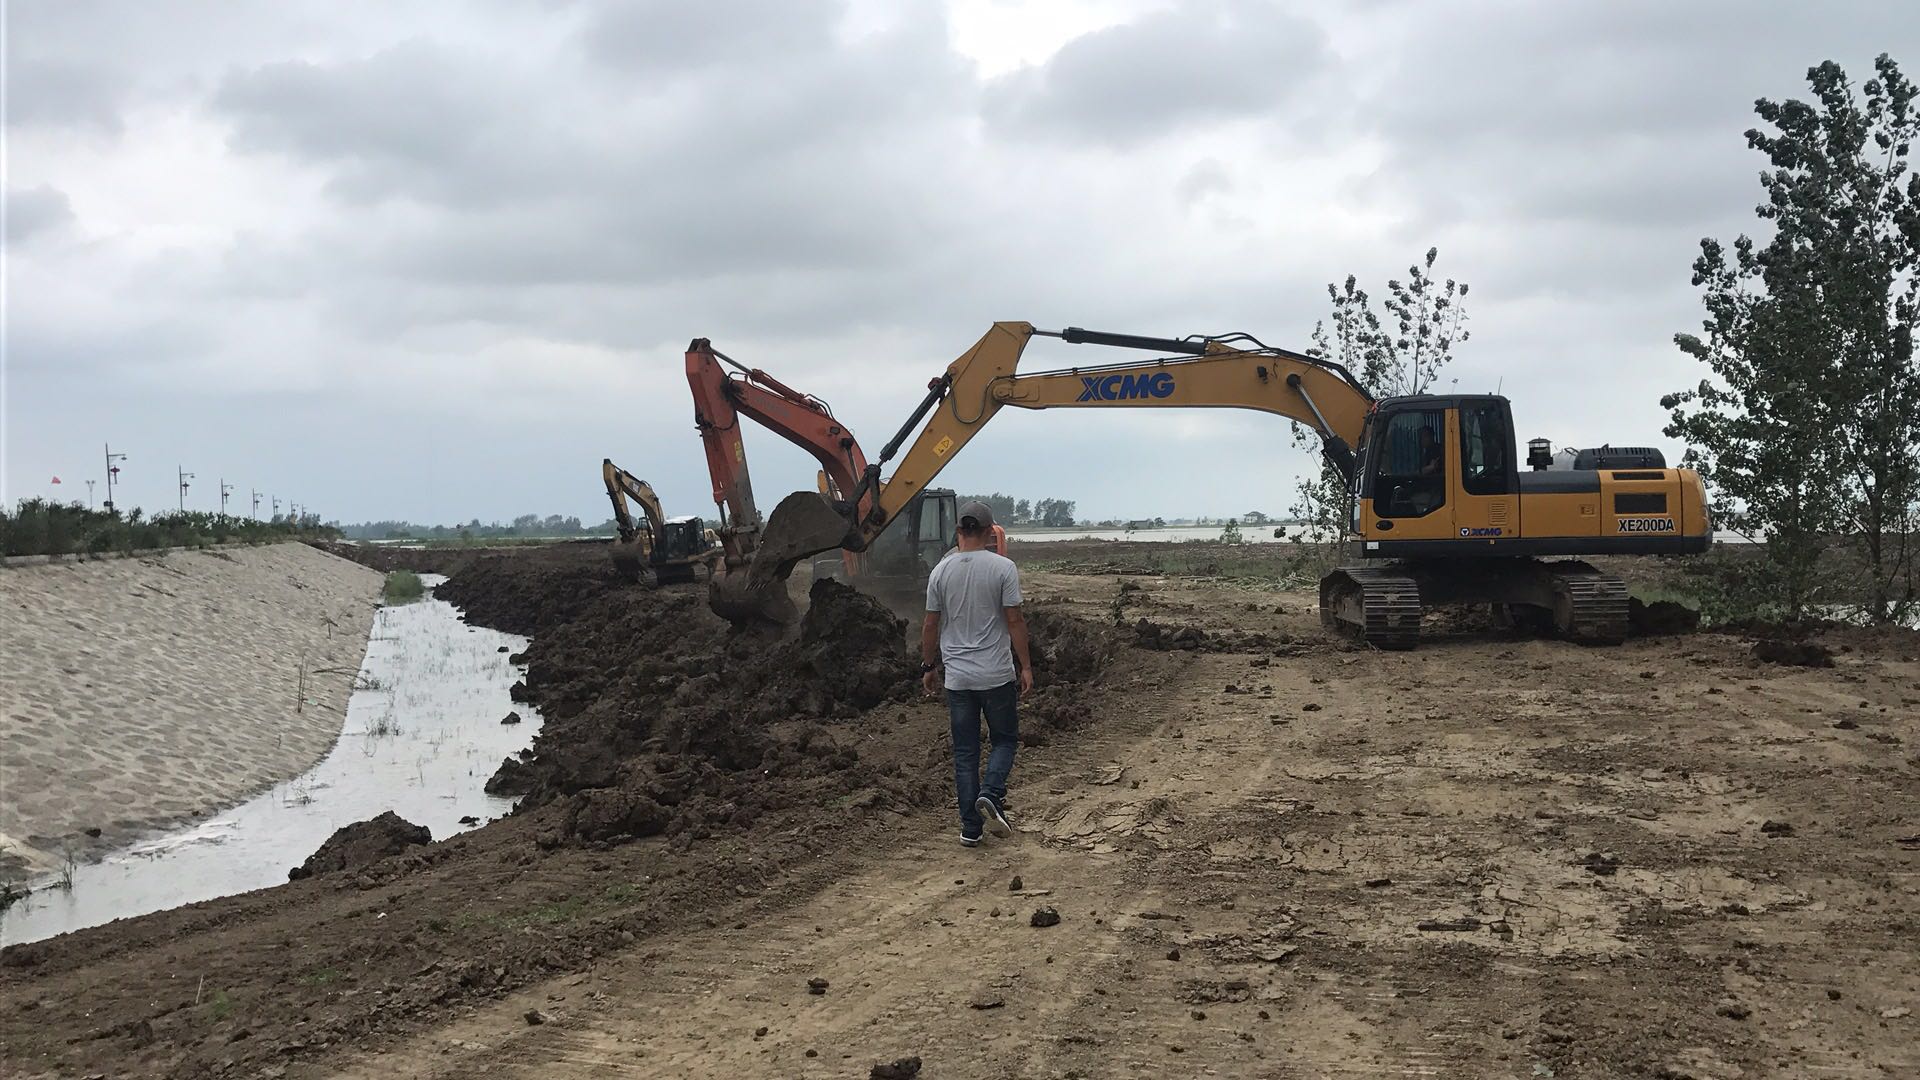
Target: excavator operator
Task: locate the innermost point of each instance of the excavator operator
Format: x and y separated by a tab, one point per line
974	630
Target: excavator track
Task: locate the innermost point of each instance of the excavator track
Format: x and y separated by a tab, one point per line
1379	605
1588	606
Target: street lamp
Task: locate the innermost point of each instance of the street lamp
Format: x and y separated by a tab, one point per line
256	503
226	489
184	477
90	484
113	472
276	507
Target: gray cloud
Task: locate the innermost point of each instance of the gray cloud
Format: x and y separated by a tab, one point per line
1205	62
436	260
35	210
52	93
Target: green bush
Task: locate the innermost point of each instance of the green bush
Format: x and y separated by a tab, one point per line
403	586
44	527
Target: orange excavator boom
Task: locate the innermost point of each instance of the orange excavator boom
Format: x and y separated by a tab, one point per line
720	397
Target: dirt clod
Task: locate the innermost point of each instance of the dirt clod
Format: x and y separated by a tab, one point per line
1016	884
1660	618
364	843
1776	828
1792	653
817	985
1600	864
535	1017
510	718
905	1068
1045	916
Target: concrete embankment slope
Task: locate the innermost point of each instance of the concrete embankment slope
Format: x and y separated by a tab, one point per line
135	692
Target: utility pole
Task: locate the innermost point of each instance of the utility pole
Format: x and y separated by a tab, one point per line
90	484
184	477
256	503
226	489
276	507
113	471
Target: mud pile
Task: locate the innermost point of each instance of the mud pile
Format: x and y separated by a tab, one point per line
362	844
531	592
658	721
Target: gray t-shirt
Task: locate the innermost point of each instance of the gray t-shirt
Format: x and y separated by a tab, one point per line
970	590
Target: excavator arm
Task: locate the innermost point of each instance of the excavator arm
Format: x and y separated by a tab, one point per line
720	399
1229	373
623	485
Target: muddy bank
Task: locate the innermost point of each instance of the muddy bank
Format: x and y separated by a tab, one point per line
148	690
650	730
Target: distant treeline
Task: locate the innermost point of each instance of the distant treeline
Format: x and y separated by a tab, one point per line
1058	514
524	525
1007	510
43	527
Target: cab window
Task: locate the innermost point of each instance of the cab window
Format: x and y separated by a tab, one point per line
935	527
1412	454
1485	444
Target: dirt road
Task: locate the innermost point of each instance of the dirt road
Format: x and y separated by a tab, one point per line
1480	859
1275	855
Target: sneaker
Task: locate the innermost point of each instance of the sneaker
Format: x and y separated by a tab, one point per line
969	840
995	817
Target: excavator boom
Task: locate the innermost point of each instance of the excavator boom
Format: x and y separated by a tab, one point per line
1236	373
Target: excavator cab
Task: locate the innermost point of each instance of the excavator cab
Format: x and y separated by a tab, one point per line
907	550
1438	490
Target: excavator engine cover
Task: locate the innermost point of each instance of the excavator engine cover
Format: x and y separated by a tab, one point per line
755	596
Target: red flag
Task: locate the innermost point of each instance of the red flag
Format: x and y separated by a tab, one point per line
56	479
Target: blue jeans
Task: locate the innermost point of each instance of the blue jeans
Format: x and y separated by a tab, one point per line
1000	705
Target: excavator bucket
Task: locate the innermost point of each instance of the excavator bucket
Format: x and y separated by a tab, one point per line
629	561
755	596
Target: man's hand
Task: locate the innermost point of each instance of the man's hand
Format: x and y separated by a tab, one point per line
930	682
1026	681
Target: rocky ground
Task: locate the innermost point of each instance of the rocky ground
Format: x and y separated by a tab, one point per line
1271	853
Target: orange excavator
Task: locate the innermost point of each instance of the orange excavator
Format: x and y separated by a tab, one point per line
920	530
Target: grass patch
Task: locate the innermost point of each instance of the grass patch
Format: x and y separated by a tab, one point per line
402	587
219	1006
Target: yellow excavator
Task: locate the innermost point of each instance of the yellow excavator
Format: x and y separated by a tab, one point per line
1442	510
672	548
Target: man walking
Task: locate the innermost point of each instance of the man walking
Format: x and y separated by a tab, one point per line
974	630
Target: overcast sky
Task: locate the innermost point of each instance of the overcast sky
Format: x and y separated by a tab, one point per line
435	260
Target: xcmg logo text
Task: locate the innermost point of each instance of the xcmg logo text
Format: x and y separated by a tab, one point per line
1125	387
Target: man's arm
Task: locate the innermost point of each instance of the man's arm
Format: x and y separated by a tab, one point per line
930	638
1017	630
930	651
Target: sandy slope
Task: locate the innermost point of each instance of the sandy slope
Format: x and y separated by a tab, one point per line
143	690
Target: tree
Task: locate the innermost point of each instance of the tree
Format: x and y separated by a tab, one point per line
1054	513
1023	510
1003	506
1808	424
1426	318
